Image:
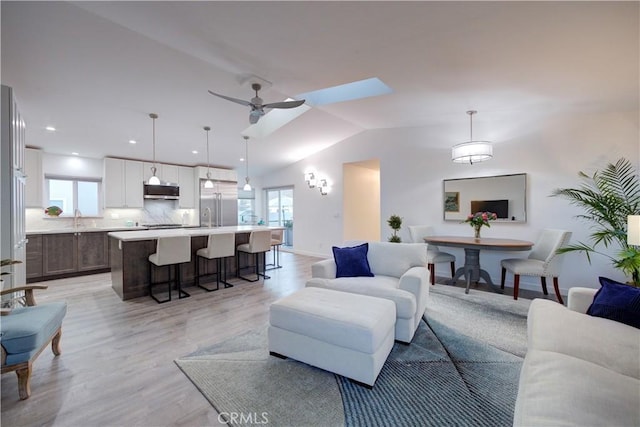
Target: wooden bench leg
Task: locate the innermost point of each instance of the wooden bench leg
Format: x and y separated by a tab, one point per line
55	343
24	381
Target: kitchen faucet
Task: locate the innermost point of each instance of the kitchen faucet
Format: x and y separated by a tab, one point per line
207	213
76	218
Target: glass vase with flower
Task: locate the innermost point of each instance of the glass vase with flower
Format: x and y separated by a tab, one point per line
480	219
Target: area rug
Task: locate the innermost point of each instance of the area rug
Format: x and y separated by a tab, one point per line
461	369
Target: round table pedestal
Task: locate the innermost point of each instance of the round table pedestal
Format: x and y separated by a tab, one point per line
472	271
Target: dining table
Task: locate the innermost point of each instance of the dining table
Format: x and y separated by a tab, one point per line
472	246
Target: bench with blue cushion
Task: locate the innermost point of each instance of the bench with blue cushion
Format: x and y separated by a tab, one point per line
26	331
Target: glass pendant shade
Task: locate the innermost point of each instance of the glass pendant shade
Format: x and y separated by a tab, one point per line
472	151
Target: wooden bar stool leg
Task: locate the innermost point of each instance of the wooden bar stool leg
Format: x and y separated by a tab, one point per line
516	285
504	274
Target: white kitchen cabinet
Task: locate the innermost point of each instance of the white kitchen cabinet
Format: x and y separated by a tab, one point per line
187	187
35	178
217	174
133	184
170	174
164	172
122	183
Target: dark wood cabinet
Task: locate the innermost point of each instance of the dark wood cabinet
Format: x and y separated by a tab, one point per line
34	256
93	251
59	255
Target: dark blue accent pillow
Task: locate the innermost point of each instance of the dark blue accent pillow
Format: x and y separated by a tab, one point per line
352	261
616	301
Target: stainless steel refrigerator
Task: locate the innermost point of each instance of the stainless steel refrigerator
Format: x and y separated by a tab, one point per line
219	205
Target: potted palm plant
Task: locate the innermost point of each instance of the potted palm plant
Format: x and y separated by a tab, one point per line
608	197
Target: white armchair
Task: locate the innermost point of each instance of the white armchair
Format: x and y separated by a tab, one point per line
400	275
434	254
543	261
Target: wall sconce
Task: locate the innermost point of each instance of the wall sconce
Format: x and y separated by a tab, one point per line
310	177
324	187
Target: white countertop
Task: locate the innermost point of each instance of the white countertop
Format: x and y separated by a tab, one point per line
129	236
82	230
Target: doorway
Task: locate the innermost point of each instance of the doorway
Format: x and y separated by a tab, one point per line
361	200
280	211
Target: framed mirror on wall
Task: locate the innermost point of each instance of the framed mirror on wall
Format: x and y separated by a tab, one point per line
504	195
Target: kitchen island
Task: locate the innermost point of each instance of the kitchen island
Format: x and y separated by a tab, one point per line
130	250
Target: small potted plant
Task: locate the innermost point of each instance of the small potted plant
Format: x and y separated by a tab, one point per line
395	222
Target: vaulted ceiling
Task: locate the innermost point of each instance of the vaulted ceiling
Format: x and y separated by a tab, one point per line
95	70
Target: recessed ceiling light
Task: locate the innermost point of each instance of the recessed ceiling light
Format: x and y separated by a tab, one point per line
50	128
242	159
194	151
133	141
75	154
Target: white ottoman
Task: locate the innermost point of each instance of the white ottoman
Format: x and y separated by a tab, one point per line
348	334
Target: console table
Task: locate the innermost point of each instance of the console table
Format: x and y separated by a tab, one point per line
472	246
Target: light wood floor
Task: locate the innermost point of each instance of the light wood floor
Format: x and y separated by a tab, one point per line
116	367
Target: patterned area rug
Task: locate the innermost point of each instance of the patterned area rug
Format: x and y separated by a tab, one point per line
461	368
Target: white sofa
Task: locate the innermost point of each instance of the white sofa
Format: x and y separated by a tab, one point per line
579	370
400	275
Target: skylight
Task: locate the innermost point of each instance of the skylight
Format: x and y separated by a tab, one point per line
346	92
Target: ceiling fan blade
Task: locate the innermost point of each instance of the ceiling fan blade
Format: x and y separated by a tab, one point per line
228	98
284	104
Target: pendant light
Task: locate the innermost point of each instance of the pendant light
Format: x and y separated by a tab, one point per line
154	180
472	151
208	183
247	186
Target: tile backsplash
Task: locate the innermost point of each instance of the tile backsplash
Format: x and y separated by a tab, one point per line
154	212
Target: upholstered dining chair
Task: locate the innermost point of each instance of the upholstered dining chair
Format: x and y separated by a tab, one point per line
434	254
543	261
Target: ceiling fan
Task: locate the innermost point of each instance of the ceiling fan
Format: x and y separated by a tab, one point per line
257	107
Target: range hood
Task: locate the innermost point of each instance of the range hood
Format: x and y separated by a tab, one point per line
162	191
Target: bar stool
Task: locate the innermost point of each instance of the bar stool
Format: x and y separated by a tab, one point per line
277	238
170	252
259	243
219	247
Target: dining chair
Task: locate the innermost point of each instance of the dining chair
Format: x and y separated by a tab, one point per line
543	261
434	254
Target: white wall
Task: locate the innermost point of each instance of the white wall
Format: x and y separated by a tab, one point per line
413	163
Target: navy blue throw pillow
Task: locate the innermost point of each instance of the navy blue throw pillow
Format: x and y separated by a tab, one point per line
616	301
352	261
